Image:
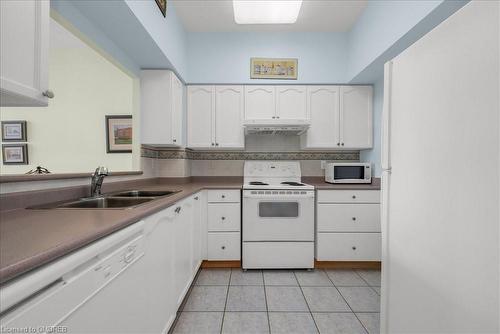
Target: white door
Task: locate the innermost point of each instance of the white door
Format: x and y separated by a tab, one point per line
24	48
200	112
291	102
356	128
260	102
323	110
177	110
229	132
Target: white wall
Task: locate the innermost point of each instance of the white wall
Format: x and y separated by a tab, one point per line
69	135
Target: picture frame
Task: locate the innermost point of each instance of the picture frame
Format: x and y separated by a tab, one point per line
14	131
119	133
162	4
274	68
15	154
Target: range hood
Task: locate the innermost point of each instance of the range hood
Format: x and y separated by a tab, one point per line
288	127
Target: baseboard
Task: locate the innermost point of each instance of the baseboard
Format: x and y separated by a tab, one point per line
220	264
347	264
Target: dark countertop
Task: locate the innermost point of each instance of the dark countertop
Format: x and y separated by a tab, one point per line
31	238
320	184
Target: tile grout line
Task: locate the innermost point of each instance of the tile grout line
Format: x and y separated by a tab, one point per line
367	283
267	307
345	300
225	304
305	299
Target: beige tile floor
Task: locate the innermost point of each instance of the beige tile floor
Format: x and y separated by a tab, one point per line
282	301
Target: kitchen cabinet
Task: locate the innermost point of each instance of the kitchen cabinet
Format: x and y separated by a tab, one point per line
340	116
323	104
224	225
24	51
260	102
275	102
356	128
291	102
348	225
161	108
215	117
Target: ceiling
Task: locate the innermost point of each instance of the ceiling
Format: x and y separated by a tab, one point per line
315	15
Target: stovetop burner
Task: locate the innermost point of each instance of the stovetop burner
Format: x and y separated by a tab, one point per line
258	183
290	183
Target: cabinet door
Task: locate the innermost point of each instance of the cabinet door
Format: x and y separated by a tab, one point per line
323	110
177	110
197	231
200	110
24	47
260	102
229	132
291	102
156	106
356	128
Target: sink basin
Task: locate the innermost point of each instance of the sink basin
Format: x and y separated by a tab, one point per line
105	203
144	193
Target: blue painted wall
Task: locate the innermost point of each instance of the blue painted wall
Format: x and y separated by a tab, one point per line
225	57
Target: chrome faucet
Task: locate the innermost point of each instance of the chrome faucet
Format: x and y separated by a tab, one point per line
97	178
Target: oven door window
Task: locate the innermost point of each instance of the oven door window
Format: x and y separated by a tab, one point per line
278	209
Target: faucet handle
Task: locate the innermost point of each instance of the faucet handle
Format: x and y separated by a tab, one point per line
101	170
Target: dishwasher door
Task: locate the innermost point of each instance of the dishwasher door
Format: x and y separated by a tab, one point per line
55	307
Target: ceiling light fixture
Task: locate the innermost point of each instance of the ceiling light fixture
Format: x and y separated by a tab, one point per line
266	11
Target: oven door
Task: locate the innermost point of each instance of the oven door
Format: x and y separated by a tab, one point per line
275	215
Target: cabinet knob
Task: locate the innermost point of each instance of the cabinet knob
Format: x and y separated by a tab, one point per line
223	196
178	209
213	144
338	144
223	247
277	117
274	117
342	144
216	144
223	218
353	247
353	218
196	198
353	196
49	94
175	140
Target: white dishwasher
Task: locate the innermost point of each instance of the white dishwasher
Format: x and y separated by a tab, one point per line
56	297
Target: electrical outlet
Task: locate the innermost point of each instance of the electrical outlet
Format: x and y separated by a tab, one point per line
323	164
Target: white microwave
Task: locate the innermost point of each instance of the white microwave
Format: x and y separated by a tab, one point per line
349	172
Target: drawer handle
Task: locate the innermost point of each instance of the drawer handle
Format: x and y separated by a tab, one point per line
223	247
223	218
353	218
353	196
353	247
223	196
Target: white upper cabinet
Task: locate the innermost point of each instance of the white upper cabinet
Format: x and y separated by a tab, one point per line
229	104
340	116
200	113
356	126
161	108
260	102
323	110
291	102
24	50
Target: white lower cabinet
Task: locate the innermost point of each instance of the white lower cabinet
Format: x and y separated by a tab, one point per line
348	225
224	225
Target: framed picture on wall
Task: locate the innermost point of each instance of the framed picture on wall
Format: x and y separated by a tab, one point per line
119	133
273	68
15	154
162	4
14	131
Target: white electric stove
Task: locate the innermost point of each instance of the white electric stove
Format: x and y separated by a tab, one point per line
278	216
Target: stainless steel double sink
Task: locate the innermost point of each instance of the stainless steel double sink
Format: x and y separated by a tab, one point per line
120	200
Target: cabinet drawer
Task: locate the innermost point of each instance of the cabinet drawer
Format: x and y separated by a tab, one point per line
348	217
224	246
348	196
224	196
349	247
224	216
